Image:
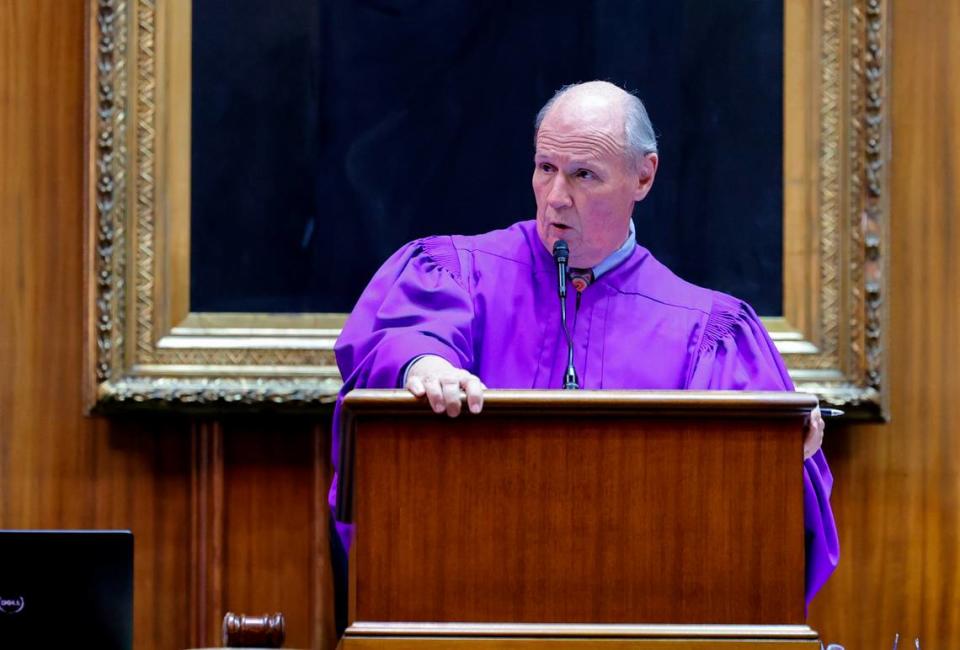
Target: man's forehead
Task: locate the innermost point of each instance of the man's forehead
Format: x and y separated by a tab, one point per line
590	121
585	143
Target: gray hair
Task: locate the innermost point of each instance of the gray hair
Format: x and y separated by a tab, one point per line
639	136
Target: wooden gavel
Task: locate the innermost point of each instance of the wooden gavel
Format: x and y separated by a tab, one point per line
242	631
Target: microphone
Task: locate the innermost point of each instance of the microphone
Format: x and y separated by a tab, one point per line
561	253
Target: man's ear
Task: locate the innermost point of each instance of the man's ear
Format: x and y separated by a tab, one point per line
646	170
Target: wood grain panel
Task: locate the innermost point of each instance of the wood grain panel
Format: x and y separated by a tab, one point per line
207	533
897	496
565	519
59	469
801	253
275	530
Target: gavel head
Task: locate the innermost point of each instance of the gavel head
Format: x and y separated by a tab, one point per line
242	631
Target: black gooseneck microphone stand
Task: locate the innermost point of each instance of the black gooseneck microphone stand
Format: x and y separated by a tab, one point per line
561	253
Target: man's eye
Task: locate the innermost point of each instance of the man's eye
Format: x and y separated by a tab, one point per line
545	167
585	174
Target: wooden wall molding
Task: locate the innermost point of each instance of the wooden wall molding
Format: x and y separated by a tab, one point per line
324	629
207	528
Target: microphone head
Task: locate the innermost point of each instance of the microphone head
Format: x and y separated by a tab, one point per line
561	252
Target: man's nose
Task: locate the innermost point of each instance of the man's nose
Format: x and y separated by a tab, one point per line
559	195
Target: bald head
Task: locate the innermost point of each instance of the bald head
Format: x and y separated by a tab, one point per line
591	97
596	103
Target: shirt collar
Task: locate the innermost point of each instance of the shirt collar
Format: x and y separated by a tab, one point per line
619	255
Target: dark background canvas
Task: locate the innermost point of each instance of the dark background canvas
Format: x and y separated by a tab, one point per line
328	133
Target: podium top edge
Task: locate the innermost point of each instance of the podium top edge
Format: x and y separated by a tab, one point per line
654	402
532	630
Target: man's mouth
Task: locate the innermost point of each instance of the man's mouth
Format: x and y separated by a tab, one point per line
560	226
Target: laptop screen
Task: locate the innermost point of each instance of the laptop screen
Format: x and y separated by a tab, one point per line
69	588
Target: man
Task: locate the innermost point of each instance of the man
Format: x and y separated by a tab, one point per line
446	315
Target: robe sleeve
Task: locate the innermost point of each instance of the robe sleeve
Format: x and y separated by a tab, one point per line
416	304
736	353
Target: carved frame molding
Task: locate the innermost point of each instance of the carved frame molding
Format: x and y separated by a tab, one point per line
143	346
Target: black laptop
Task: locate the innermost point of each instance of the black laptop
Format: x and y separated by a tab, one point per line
66	589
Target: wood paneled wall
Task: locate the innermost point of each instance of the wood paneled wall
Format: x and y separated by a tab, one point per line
897	496
59	469
227	514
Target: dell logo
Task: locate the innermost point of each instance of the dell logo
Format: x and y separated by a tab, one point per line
11	605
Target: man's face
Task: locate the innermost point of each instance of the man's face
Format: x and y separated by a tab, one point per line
585	183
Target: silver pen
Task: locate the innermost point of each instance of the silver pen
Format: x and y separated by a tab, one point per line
830	413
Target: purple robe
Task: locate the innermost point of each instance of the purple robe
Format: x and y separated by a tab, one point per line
488	304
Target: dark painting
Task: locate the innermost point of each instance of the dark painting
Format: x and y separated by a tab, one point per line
328	133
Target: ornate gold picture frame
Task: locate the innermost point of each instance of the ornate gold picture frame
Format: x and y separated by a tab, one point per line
144	345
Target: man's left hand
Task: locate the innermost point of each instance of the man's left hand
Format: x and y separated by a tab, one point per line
813	433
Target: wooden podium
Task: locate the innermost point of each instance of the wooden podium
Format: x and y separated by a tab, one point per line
575	519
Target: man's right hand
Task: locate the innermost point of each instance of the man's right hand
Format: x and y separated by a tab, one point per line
434	377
